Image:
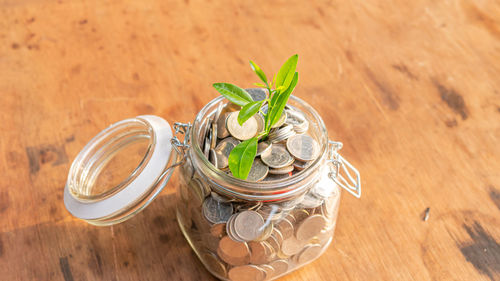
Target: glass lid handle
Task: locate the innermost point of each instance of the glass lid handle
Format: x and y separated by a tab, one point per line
343	169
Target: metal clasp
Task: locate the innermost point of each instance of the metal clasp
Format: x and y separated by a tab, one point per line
342	166
181	147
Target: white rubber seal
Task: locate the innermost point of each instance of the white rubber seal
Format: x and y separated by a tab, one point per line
138	187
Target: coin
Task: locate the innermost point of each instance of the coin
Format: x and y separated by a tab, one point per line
216	212
280	171
277	157
301	165
206	149
246	273
222	131
286	228
268	230
297	120
262	147
268	269
281	134
302	147
210	242
275	177
271	212
291	246
310	201
280	267
214	264
257	94
218	230
258	171
233	252
212	157
310	227
260	123
222	151
309	253
281	121
220	198
249	225
213	136
198	190
259	252
243	132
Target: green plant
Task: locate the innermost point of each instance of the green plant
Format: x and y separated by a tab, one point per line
279	90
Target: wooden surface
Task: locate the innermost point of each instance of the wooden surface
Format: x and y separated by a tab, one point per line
412	88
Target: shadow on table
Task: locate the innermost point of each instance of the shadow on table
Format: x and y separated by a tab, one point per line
149	246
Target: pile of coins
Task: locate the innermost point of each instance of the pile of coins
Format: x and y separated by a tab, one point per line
286	150
242	240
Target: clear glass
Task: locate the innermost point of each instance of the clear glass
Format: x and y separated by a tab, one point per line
299	212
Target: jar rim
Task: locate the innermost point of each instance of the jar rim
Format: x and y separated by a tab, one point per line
273	190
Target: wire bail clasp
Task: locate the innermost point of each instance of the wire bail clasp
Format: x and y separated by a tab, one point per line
181	147
342	166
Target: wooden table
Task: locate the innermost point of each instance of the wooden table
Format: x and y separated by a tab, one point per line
412	88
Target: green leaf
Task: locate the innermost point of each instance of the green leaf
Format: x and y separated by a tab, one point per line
286	72
233	93
248	111
260	85
277	109
241	158
258	71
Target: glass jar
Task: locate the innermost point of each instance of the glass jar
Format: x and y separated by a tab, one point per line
240	230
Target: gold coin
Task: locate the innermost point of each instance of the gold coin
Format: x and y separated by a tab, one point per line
214	264
310	227
245	131
246	273
233	252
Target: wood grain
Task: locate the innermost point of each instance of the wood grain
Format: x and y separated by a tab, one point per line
412	88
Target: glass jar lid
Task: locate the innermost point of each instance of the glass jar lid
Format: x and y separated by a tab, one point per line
120	171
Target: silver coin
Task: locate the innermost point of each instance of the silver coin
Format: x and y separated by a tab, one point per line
309	253
245	131
302	147
222	151
222	131
277	157
280	171
260	123
249	225
257	94
218	113
273	177
310	201
216	212
212	157
281	121
206	149
263	146
213	136
298	120
310	227
258	171
220	198
301	165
